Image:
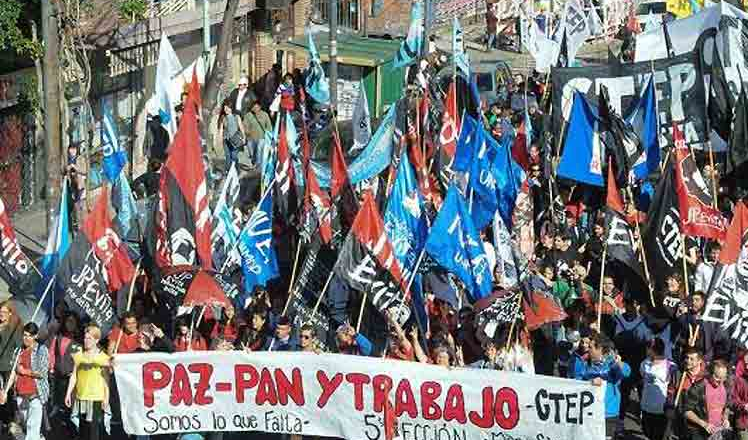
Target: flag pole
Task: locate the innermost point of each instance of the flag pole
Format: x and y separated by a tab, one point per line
685	265
640	242
293	278
129	303
600	288
361	312
322	294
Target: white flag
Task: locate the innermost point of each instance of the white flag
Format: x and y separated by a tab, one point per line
577	28
594	23
361	122
167	68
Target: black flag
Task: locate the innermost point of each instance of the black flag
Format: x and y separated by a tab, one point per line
619	137
737	151
620	238
664	243
563	53
720	98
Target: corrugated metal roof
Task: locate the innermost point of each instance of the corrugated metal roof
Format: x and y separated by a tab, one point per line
352	49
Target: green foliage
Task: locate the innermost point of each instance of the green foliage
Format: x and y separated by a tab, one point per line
29	100
133	10
11	34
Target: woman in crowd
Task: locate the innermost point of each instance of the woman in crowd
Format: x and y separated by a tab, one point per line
231	132
228	327
188	338
254	335
88	388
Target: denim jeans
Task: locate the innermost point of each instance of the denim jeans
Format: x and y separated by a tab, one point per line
32	412
229	154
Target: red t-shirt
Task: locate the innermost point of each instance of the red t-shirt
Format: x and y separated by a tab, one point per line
198	344
25	385
128	343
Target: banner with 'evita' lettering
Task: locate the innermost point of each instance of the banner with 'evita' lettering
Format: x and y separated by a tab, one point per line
342	396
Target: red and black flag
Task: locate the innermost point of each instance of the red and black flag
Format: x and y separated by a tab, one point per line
183	222
619	237
96	264
317	212
367	262
449	133
16	269
426	184
698	217
344	201
285	184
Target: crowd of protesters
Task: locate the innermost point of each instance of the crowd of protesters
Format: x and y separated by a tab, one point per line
661	364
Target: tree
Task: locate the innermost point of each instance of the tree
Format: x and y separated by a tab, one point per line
220	65
14	20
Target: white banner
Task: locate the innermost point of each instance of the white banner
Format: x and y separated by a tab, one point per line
343	396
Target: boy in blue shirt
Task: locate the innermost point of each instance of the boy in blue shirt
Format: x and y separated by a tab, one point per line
605	364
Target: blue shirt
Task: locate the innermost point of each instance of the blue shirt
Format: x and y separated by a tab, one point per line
610	372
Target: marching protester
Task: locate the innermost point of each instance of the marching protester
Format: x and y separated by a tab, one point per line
569	263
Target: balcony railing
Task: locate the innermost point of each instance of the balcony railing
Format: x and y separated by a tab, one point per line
160	8
348	12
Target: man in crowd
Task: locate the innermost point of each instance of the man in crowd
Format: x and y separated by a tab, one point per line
707	403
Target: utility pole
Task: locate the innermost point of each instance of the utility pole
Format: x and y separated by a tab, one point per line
334	57
206	32
52	133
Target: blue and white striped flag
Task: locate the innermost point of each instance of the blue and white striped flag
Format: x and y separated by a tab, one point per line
410	48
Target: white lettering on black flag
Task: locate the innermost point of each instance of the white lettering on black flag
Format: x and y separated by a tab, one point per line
679	87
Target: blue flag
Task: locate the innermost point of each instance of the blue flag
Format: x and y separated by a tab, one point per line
403	220
405	225
694	6
454	243
126	208
643	118
467	144
410	48
509	178
481	189
259	263
58	244
269	154
582	156
115	158
317	85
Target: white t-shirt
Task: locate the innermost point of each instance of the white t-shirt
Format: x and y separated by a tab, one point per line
655	377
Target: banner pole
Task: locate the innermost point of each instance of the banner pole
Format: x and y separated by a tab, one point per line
129	303
600	288
322	294
361	312
640	242
293	277
685	265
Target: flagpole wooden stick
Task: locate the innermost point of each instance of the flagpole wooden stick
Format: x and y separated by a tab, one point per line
361	312
640	243
129	303
600	288
685	265
44	296
193	325
714	173
322	294
293	279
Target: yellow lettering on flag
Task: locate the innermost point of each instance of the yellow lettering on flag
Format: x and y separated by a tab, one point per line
682	8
